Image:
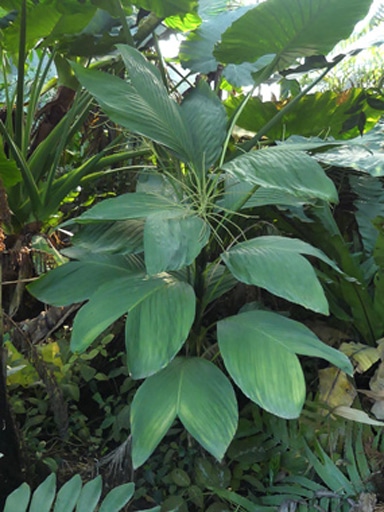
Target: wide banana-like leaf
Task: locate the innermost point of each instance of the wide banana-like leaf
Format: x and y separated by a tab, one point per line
259	351
78	280
198	393
290	171
112	300
157	327
291	30
120	237
238	192
332	114
134	205
173	240
276	264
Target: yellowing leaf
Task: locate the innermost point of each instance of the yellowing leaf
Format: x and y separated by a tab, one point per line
335	388
362	355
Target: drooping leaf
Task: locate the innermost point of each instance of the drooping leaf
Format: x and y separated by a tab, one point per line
259	350
133	205
196	391
111	301
120	237
289	171
276	264
158	326
78	280
173	240
290	30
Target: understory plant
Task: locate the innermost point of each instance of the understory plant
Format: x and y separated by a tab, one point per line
169	253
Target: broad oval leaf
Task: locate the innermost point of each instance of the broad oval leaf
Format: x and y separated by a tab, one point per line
207	405
134	205
276	264
199	393
114	237
258	349
78	280
157	328
173	240
290	171
291	30
269	374
110	302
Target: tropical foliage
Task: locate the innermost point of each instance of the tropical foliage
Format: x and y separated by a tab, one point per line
229	247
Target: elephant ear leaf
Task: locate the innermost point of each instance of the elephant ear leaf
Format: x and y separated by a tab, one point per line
310	27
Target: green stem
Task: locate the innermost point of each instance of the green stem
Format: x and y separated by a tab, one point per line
19	121
123	19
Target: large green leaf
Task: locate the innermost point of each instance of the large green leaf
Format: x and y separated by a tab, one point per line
110	301
133	205
143	107
276	264
158	326
240	192
196	52
194	390
164	8
120	237
291	30
78	280
204	114
331	114
173	240
290	171
259	350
